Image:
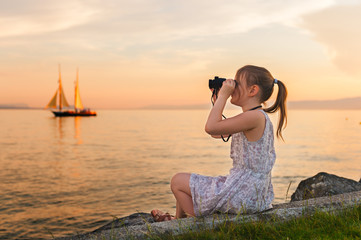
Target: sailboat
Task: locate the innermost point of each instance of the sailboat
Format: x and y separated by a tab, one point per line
79	110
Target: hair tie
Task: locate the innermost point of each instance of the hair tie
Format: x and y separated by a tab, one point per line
275	81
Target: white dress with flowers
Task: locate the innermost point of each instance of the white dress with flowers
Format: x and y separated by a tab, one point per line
247	188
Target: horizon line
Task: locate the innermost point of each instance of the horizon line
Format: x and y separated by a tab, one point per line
200	105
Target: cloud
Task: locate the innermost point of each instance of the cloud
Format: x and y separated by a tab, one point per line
172	31
133	28
338	29
168	20
148	19
18	18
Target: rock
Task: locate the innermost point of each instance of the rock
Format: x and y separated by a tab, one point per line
323	185
280	212
131	220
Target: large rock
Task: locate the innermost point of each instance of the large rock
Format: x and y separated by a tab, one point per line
322	185
281	212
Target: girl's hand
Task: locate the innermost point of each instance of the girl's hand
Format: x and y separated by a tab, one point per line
227	88
214	97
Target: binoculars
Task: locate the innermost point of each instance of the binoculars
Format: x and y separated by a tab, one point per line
216	83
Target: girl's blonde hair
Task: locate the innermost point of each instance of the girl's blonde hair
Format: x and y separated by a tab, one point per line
262	77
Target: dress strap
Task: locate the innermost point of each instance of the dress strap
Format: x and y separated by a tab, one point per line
261	110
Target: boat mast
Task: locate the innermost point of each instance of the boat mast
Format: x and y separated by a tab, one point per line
76	89
60	92
78	105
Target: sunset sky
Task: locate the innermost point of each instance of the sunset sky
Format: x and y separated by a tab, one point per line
149	52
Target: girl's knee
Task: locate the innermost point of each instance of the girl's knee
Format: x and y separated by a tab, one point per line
179	180
175	181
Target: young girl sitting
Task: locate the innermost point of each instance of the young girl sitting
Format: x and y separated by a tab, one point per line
247	188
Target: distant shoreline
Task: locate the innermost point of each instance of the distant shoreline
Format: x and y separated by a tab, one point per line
20	108
338	104
179	108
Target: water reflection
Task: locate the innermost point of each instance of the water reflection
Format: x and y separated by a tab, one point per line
77	125
62	127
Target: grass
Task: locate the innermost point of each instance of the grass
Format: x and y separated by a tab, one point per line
345	224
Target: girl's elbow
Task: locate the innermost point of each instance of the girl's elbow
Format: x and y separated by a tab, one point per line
209	129
206	128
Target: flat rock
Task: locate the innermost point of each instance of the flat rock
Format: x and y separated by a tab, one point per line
322	185
131	220
282	212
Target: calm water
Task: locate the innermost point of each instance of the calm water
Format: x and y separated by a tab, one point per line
64	176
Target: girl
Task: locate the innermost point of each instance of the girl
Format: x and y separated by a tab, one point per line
248	186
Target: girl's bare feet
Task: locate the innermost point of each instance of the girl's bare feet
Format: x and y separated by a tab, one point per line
160	216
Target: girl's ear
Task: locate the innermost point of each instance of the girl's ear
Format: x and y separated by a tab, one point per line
253	90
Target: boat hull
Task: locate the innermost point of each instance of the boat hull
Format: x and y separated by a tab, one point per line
74	113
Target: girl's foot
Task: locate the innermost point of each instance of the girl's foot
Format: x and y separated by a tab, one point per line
159	216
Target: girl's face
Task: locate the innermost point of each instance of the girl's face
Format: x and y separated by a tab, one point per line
238	95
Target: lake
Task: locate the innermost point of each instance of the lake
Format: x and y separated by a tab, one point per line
62	176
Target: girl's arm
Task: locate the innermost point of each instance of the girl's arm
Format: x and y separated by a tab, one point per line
240	123
214	100
245	121
216	136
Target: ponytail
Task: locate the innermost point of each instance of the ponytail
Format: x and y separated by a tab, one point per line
280	104
262	77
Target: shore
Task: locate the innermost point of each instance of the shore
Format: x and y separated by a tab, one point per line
141	225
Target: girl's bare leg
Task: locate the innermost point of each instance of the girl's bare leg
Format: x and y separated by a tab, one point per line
182	193
179	212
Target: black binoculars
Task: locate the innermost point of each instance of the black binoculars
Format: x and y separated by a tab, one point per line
216	83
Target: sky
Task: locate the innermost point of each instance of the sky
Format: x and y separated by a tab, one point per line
162	52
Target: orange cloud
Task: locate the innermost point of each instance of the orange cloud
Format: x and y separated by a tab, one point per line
338	29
